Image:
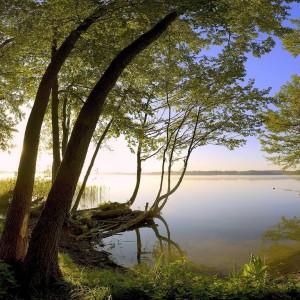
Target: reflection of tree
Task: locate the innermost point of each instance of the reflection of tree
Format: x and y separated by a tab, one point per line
283	255
287	229
159	237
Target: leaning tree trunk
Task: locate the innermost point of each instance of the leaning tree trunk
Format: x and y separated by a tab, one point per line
41	264
54	121
13	243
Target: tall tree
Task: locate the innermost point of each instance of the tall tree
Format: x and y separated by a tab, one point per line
13	244
226	24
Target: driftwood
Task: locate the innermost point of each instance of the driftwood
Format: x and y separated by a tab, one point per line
108	214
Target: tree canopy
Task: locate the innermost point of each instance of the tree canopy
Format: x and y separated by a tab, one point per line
282	122
180	63
281	140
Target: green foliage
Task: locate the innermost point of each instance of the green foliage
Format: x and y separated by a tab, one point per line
281	137
291	41
256	272
41	188
177	279
7	279
6	190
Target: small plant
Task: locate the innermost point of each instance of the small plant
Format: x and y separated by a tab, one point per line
7	279
256	270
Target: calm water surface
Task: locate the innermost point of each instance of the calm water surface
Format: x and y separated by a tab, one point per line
217	220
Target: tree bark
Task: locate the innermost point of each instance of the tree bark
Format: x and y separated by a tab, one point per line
55	130
65	127
13	243
41	261
54	120
138	163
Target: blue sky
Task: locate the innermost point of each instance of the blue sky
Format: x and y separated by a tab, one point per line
272	70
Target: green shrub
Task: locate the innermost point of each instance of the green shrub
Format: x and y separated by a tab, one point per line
7	279
176	279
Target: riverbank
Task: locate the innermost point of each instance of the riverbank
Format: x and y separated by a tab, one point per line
176	279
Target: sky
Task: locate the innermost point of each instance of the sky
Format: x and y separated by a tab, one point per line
271	70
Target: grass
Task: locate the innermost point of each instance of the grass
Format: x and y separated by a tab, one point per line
41	189
177	279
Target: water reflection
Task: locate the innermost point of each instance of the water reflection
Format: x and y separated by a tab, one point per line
216	220
146	249
282	246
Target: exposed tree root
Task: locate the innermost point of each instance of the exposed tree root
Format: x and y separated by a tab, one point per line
105	223
84	229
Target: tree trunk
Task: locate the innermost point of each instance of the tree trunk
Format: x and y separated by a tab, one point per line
55	130
88	172
138	176
138	163
54	120
13	244
65	127
41	261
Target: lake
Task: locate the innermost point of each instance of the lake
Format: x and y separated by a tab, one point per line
216	220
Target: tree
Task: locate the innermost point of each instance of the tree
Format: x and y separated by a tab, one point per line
13	244
41	262
281	137
217	23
